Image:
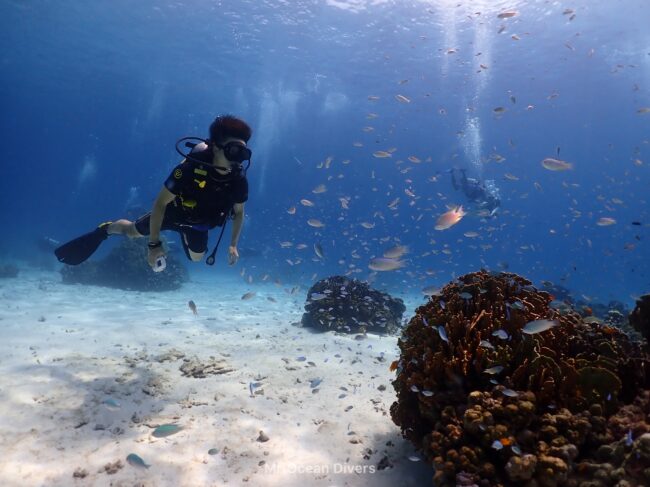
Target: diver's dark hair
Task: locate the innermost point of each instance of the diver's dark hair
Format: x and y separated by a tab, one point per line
225	126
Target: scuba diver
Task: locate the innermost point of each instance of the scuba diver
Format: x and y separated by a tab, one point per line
484	194
202	192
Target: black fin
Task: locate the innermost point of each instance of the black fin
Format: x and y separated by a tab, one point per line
78	250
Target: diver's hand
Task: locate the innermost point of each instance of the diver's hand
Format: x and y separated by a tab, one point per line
233	255
153	255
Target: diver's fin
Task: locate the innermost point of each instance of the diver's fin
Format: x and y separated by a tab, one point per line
78	250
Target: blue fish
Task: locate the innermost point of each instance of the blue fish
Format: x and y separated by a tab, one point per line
313	383
628	438
442	304
135	461
166	430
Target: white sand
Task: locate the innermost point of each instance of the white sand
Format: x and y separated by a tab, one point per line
65	349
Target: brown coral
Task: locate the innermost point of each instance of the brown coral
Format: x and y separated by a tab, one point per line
477	395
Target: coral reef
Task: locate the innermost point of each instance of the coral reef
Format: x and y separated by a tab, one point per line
126	268
347	305
640	317
491	401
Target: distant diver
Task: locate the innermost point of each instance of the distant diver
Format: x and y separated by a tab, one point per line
202	192
483	194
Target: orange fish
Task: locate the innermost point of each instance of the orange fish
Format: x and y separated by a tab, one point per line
393	366
450	218
192	307
506	441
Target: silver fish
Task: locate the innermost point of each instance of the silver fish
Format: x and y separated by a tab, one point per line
385	264
442	333
494	370
427	393
465	296
486	344
319	250
414	388
497	445
510	393
501	334
539	326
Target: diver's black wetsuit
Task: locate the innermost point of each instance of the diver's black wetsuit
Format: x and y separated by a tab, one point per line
204	200
475	191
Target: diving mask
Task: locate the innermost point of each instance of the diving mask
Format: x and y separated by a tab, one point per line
235	151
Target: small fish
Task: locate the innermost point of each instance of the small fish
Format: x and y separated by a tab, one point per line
450	218
507	14
166	430
501	334
319	250
486	344
313	222
381	154
499	110
301	359
414	388
248	295
465	295
367	225
643	110
313	383
494	370
497	445
538	326
321	188
427	393
414	458
111	403
306	202
556	164
510	393
443	333
431	291
471	234
402	99
442	304
135	461
385	264
396	252
515	449
628	438
518	305
291	210
317	296
192	306
605	221
393	365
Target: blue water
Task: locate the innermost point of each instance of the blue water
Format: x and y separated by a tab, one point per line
94	95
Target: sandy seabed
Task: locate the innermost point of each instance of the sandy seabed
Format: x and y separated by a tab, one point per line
87	373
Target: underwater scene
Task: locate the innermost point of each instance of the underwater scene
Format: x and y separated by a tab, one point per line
288	243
